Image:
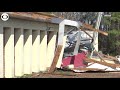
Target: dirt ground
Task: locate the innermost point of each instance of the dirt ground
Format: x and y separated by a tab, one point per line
70	74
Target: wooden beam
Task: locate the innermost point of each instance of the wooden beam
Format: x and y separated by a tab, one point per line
111	57
100	56
108	57
55	60
31	16
89	69
87	26
46	14
62	52
103	63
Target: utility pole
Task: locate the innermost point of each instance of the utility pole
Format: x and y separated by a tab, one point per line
95	34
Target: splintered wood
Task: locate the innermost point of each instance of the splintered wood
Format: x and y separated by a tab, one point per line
87	26
110	57
55	60
103	63
105	58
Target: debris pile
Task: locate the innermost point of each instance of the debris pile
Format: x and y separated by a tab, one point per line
99	62
86	60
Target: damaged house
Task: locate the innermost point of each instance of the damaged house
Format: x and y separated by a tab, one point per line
35	42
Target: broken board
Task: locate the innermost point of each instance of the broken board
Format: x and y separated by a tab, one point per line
55	60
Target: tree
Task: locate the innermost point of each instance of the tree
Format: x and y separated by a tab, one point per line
111	43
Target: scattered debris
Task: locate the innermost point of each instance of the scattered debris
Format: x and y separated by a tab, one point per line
82	61
93	64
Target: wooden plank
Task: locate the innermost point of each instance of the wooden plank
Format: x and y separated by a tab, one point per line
103	63
100	56
31	16
111	57
108	57
46	14
62	51
85	69
87	26
89	69
55	60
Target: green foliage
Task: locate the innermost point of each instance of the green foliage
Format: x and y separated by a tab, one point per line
114	42
106	21
111	44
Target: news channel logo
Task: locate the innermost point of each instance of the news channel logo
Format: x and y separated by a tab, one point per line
4	16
